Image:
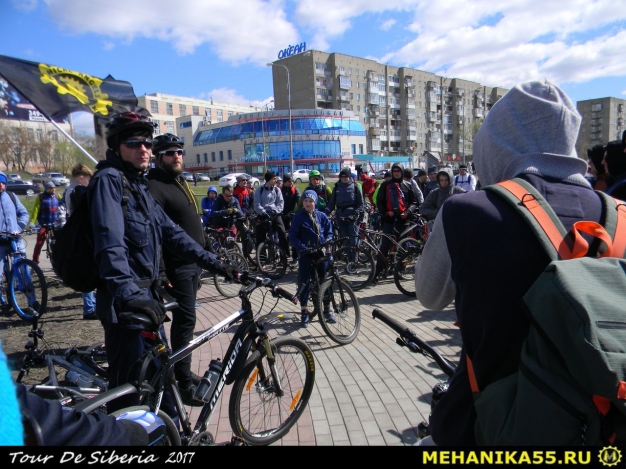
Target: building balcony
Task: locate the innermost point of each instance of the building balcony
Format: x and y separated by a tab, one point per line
395	138
374	131
478	113
344	98
345	85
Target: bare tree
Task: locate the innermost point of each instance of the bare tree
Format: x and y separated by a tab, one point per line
45	148
24	148
6	144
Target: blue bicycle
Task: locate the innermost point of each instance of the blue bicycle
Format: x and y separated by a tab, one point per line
23	281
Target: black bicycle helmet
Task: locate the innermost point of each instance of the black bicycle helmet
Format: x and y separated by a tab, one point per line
126	125
162	142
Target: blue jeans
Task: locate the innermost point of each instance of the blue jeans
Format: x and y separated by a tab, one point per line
89	303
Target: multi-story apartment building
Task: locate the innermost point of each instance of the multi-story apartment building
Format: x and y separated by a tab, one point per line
321	139
405	111
165	108
602	121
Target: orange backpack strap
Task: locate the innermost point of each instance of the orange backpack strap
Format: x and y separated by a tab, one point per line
470	374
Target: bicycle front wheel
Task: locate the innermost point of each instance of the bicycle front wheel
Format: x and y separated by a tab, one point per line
226	286
355	266
28	291
404	272
337	297
271	260
269	396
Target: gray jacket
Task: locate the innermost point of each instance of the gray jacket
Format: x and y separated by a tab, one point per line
436	198
266	199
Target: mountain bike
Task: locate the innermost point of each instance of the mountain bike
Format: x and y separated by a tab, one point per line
414	344
356	266
270	257
272	378
23	283
332	293
410	250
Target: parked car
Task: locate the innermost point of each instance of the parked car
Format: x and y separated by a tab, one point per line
14	177
23	188
231	179
380	174
57	178
302	175
202	177
187	176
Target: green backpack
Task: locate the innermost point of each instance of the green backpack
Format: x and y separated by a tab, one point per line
570	388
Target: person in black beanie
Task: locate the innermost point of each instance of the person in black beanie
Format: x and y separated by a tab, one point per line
615	165
432	183
595	169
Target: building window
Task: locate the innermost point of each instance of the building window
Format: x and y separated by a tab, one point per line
353	149
195	110
230	155
198	158
154	107
358	96
213	157
360	148
349	71
356	72
342	69
31	134
358	108
169	109
220	115
221	155
351	96
183	109
157	125
39	135
54	136
206	158
170	126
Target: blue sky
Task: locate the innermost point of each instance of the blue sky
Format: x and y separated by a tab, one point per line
218	49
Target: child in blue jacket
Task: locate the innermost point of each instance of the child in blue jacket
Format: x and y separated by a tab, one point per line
207	205
309	228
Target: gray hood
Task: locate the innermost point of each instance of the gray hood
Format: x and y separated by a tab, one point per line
450	174
531	129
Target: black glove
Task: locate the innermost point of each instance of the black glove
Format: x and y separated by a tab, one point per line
152	308
271	213
228	270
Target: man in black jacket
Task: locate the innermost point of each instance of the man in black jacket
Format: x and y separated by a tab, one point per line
171	191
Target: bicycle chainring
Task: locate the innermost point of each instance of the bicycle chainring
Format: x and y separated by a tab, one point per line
202	439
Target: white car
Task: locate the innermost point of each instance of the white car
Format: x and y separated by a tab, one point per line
57	178
187	176
202	177
231	179
302	175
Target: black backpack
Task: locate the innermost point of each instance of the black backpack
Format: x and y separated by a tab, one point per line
73	258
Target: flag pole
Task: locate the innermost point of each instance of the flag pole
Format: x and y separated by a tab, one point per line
85	152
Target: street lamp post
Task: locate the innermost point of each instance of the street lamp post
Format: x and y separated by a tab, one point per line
290	122
263	134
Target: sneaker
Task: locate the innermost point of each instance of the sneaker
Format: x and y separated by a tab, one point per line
305	319
198	304
187	395
91	316
329	317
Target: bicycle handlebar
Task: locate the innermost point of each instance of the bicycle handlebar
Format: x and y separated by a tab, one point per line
446	365
323	245
277	290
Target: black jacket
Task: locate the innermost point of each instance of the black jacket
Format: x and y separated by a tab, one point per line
179	203
410	201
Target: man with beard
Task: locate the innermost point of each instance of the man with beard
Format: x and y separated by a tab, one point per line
171	191
397	204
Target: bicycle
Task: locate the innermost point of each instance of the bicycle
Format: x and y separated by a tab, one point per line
270	257
412	247
333	293
222	243
272	376
414	344
49	240
24	283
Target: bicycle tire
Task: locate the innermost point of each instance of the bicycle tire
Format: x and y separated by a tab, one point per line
271	260
345	307
253	392
227	287
359	273
28	290
172	436
404	272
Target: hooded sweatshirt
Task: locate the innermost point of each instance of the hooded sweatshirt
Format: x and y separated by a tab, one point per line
437	197
483	255
396	195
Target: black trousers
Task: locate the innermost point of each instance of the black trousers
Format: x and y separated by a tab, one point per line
184	282
385	244
279	228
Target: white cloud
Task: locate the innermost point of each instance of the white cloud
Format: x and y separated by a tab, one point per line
242	31
83	123
108	45
25	5
386	26
231	96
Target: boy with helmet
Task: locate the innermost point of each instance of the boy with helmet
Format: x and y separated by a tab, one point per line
322	191
130	231
310	227
207	205
172	192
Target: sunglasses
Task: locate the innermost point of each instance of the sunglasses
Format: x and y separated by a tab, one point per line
344	176
227	195
136	143
171	152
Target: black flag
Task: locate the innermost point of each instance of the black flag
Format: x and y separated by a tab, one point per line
57	92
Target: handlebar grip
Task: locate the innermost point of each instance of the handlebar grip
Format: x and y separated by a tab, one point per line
277	289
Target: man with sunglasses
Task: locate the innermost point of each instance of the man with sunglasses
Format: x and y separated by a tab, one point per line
171	191
130	231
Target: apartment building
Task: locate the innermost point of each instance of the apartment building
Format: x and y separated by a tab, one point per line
602	121
165	108
405	111
322	139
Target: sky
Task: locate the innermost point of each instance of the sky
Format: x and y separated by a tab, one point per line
219	49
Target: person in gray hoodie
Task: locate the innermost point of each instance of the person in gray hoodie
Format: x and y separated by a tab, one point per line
435	199
269	204
483	256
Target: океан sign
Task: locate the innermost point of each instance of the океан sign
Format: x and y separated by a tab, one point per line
292	50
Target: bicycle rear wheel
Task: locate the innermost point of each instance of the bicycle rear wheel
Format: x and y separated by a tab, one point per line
225	286
171	437
342	301
258	412
28	291
271	260
404	272
358	272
